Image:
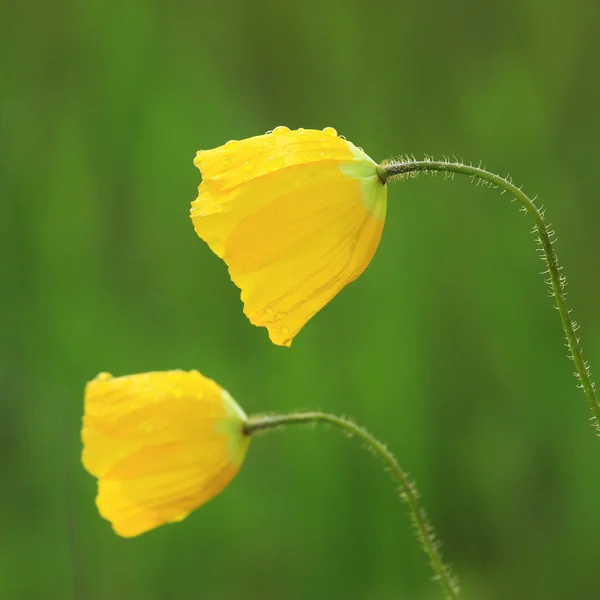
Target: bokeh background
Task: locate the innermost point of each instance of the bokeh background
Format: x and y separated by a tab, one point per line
448	347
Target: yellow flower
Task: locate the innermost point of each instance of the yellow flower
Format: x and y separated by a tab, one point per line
161	444
295	215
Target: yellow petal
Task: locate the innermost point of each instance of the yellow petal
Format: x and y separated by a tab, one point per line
296	216
161	444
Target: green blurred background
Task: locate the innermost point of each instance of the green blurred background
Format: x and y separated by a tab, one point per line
448	347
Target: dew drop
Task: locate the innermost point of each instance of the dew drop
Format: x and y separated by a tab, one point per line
232	144
268	310
330	131
301	130
103	376
248	166
216	245
199	156
305	136
269	132
280	130
226	160
284	330
273	163
178	518
279	315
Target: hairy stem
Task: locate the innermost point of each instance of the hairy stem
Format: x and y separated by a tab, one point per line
393	170
408	493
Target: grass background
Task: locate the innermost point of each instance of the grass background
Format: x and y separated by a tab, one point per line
447	347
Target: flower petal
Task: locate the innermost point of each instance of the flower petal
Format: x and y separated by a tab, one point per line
238	162
161	444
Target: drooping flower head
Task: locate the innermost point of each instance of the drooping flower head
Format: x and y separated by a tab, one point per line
161	444
295	215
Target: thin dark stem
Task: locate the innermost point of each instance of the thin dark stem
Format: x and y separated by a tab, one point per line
397	170
408	493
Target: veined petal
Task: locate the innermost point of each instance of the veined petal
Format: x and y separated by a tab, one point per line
238	162
161	444
293	235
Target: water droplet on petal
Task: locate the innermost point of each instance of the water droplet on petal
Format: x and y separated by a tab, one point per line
301	130
216	245
342	137
226	160
330	131
279	315
268	310
281	129
103	376
200	156
284	330
178	518
231	144
248	166
273	163
305	136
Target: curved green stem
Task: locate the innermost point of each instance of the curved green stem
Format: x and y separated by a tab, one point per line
401	169
408	493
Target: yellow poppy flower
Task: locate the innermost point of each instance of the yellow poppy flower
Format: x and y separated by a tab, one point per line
161	444
295	215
